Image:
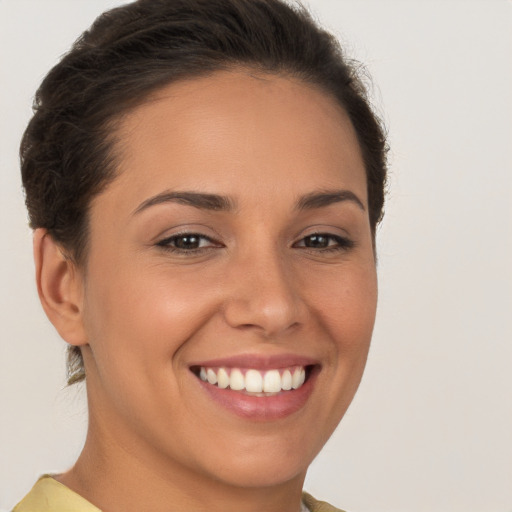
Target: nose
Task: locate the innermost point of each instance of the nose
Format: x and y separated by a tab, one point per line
264	295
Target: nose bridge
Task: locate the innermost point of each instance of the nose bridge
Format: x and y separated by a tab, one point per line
264	295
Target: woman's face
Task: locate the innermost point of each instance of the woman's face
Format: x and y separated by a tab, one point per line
233	247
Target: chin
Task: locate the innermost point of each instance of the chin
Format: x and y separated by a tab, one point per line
263	463
259	474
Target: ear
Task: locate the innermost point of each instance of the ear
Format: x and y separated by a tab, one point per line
60	288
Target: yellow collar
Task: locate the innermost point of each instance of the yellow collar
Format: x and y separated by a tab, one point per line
48	495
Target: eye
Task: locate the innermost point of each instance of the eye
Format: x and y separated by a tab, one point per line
325	242
187	242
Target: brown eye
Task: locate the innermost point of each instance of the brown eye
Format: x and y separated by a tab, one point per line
187	242
325	241
317	241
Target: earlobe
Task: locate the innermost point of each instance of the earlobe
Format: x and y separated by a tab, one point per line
60	288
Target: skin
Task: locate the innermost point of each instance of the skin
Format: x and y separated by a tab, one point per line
143	313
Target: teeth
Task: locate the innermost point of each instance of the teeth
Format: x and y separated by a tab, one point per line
286	380
298	378
236	380
211	376
272	382
222	378
255	381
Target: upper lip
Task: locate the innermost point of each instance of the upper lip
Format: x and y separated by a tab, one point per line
258	361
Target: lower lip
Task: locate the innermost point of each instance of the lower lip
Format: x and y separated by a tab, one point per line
261	408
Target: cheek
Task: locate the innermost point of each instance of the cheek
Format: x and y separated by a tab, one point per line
137	324
347	306
140	318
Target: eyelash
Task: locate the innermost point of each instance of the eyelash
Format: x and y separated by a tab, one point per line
341	243
166	243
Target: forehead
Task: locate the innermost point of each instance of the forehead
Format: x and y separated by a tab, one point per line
237	128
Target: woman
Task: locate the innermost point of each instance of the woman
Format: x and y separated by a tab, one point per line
204	180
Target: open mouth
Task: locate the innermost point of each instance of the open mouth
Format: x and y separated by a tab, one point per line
254	382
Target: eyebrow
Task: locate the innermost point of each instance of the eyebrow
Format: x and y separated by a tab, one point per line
326	198
217	202
196	199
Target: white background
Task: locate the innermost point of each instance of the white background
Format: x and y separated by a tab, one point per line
431	426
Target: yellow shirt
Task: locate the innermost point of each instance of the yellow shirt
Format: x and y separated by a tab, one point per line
48	495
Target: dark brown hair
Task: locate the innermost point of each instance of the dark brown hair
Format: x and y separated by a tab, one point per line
68	149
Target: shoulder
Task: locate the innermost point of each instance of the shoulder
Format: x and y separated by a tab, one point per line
48	495
316	505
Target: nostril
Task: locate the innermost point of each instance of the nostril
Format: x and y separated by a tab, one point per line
265	306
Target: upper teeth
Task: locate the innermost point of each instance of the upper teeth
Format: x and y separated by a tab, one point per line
255	381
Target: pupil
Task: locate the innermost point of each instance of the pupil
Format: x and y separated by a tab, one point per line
316	241
187	242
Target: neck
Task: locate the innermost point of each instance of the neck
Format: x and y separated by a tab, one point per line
115	474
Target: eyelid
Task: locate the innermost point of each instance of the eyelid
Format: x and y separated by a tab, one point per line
185	228
343	242
322	229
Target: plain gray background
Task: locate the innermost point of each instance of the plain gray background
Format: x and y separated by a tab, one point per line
430	428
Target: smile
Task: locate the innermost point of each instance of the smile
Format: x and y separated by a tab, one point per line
255	382
258	388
